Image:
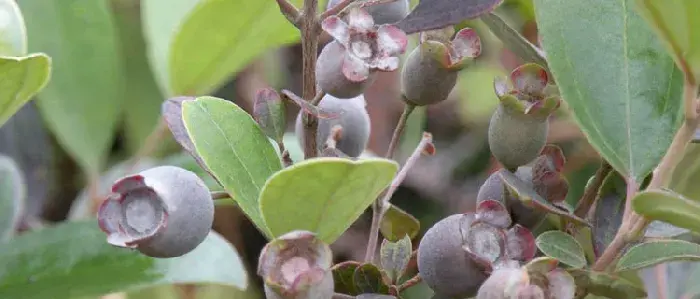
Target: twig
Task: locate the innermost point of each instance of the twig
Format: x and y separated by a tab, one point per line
215	195
661	280
398	131
380	205
289	11
623	236
634	224
286	158
591	193
317	99
310	30
411	282
513	40
336	9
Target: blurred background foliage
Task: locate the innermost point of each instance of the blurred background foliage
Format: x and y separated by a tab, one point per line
116	61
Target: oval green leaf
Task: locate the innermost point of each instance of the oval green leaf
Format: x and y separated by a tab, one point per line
12	193
20	79
234	148
161	20
623	89
218	38
562	247
82	102
397	223
656	252
73	260
394	257
13	33
678	25
607	285
323	195
668	207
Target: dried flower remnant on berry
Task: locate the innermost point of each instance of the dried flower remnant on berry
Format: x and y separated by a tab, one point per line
369	47
296	265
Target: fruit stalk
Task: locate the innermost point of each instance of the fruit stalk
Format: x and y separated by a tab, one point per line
380	205
289	11
398	131
591	193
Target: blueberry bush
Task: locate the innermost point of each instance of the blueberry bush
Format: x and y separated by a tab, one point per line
301	149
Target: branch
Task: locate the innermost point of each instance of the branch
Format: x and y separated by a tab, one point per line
591	193
634	224
398	131
380	205
310	30
289	11
286	159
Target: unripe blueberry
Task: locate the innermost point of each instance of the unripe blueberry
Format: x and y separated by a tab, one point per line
353	118
164	211
443	263
516	139
430	71
330	76
518	127
494	189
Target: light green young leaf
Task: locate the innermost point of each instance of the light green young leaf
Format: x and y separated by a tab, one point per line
235	150
161	20
13	33
668	207
323	195
651	253
12	195
394	257
218	38
83	101
562	247
676	22
20	79
73	260
142	98
623	89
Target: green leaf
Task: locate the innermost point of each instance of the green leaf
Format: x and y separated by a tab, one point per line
526	194
604	284
12	195
20	79
397	224
13	34
370	279
668	207
343	274
73	259
235	150
219	37
161	20
623	89
676	22
82	102
394	257
323	195
142	98
656	252
562	247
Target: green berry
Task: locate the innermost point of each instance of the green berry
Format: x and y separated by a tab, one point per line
516	139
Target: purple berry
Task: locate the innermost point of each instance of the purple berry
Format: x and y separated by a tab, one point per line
331	78
353	118
164	211
494	189
443	263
